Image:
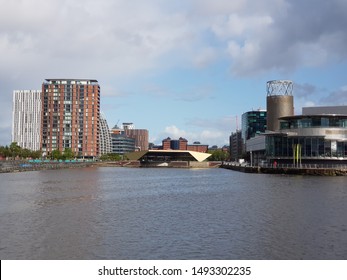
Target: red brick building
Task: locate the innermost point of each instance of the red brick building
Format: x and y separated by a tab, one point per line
70	116
197	147
182	144
140	136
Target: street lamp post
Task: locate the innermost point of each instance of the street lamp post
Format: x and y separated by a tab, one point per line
251	158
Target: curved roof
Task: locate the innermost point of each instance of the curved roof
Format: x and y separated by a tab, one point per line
184	155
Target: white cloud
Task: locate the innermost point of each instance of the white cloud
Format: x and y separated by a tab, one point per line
338	97
118	38
111	37
174	132
205	57
234	49
241	26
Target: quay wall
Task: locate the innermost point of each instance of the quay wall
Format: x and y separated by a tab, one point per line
321	171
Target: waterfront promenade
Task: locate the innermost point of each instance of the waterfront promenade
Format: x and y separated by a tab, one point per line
290	169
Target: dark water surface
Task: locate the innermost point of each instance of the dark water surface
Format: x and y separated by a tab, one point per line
134	213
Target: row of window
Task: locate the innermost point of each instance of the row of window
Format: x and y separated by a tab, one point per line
314	122
282	146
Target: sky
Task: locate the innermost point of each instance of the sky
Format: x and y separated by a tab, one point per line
186	68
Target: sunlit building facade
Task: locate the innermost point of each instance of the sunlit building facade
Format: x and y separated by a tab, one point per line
312	138
253	123
140	136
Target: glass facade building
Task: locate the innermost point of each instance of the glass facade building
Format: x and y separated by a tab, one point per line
253	123
317	136
122	144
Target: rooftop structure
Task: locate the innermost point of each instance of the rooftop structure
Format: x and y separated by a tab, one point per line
339	110
279	102
279	87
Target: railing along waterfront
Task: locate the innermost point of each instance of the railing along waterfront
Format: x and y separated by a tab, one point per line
305	166
290	165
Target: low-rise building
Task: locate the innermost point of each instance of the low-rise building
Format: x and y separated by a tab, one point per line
197	147
182	144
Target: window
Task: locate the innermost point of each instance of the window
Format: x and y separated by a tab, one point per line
324	122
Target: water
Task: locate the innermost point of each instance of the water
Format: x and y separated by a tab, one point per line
135	213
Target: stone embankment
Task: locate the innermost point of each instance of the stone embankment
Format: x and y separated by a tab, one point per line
21	166
314	171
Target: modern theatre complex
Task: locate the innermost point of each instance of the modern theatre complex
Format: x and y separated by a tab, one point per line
311	138
317	136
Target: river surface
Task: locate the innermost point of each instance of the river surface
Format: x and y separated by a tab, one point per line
138	213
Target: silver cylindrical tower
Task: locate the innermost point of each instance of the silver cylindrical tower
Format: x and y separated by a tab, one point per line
279	102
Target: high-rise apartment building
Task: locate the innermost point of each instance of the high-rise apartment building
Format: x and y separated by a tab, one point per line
71	116
26	118
105	141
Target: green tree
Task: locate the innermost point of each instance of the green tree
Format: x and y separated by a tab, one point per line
219	155
25	153
35	154
15	149
56	154
5	151
68	153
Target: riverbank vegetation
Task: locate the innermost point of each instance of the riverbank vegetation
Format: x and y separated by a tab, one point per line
14	151
111	157
218	155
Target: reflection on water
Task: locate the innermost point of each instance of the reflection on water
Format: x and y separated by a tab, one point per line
125	213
